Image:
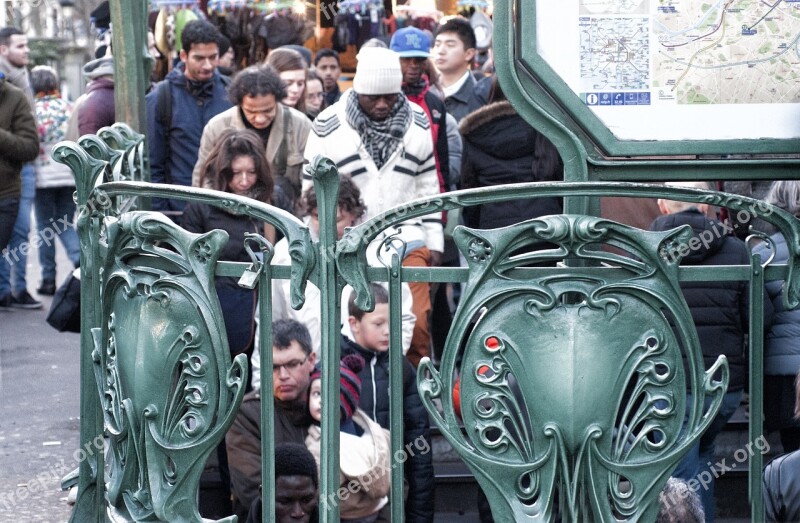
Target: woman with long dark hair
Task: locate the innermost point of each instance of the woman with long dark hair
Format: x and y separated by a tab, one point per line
237	165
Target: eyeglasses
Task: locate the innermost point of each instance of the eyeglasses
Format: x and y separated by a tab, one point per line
290	366
318	96
246	175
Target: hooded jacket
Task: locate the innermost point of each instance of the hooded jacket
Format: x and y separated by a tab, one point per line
96	108
720	309
19	141
782	341
500	147
375	402
285	146
174	162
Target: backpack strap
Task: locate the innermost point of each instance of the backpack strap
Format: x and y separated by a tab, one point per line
164	117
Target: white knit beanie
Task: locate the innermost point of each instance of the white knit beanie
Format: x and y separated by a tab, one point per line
377	72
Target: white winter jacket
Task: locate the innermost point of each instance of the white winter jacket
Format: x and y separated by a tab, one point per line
408	174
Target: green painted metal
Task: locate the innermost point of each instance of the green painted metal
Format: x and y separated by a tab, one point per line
756	429
132	62
169	391
539	420
536	419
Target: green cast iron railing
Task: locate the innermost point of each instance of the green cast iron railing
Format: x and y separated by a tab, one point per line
607	457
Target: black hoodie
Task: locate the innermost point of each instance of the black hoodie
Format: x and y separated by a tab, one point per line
720	309
375	402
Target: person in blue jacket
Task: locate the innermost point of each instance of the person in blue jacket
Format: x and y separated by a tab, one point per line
179	107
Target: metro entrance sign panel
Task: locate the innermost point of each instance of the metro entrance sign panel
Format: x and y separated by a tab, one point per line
679	69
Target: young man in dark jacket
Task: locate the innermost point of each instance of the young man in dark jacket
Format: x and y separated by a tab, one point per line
14	60
371	333
720	311
191	95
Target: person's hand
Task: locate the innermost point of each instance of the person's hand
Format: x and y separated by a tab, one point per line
436	258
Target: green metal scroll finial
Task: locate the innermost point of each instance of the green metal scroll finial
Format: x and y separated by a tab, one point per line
571	384
162	365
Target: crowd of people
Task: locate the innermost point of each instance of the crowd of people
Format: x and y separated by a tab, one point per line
418	121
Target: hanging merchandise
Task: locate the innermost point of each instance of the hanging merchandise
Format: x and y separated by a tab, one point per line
356	22
421	14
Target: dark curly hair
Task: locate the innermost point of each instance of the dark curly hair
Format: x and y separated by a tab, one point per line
199	32
349	198
217	172
256	80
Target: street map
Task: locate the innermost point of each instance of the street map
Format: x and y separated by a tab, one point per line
614	7
615	53
726	52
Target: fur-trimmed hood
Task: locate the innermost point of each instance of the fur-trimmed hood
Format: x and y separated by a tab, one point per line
499	132
484	115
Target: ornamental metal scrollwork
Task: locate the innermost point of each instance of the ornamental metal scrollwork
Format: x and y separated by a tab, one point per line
168	388
572	386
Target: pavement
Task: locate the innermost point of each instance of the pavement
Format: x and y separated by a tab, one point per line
39	409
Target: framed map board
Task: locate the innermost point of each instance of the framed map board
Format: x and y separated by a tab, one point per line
679	69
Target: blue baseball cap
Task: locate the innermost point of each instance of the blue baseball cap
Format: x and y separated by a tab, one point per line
411	42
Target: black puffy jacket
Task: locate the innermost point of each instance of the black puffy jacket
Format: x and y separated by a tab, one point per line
781	488
720	309
500	147
416	425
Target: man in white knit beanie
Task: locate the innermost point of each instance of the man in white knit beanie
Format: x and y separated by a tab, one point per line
383	142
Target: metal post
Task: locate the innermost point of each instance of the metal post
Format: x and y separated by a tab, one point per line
132	62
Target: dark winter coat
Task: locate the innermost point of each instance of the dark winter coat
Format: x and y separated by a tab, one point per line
782	341
190	114
720	310
499	147
781	488
97	107
243	440
238	304
375	402
19	140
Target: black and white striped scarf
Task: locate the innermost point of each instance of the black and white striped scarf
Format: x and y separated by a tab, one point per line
380	138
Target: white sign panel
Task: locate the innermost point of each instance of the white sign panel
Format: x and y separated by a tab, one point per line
679	69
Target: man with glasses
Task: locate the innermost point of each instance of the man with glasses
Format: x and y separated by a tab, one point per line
292	363
383	142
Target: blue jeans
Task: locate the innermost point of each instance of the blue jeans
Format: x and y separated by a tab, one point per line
701	456
55	212
16	257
